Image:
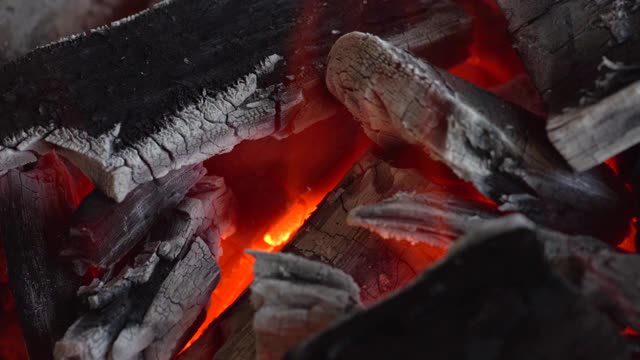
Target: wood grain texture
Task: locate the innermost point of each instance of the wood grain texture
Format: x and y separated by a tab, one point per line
190	79
36	207
591	135
562	42
500	148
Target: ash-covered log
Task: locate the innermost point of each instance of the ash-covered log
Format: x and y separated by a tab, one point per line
591	135
295	298
502	149
604	274
36	206
493	296
190	79
562	42
148	309
103	231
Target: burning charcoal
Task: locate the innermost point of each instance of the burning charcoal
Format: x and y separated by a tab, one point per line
589	136
492	297
36	206
183	295
103	231
294	298
501	149
150	305
191	79
602	273
562	42
435	219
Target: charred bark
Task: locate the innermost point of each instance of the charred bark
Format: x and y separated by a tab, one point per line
103	231
502	149
149	307
295	298
493	297
36	207
190	79
562	42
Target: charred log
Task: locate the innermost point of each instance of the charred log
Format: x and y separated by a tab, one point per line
562	42
295	298
103	231
589	136
490	298
190	79
36	206
150	306
503	150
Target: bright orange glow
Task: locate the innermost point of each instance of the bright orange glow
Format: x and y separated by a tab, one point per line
278	184
629	242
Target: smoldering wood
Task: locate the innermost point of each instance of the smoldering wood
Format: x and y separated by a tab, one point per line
378	266
36	206
487	299
601	273
103	231
183	295
500	148
158	297
294	298
562	42
589	136
190	79
435	219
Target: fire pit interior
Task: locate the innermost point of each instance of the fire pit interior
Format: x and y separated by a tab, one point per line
302	179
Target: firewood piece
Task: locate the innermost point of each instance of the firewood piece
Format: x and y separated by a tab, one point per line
36	206
91	336
177	304
188	80
294	298
435	219
591	135
562	42
492	297
601	273
103	231
501	149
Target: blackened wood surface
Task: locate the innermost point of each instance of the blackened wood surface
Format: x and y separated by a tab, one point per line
502	149
103	231
562	42
181	83
493	297
36	207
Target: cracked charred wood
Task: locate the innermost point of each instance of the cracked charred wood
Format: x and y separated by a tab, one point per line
500	148
589	136
190	79
562	42
377	265
493	296
601	273
148	308
103	231
183	295
36	206
435	219
25	25
295	298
